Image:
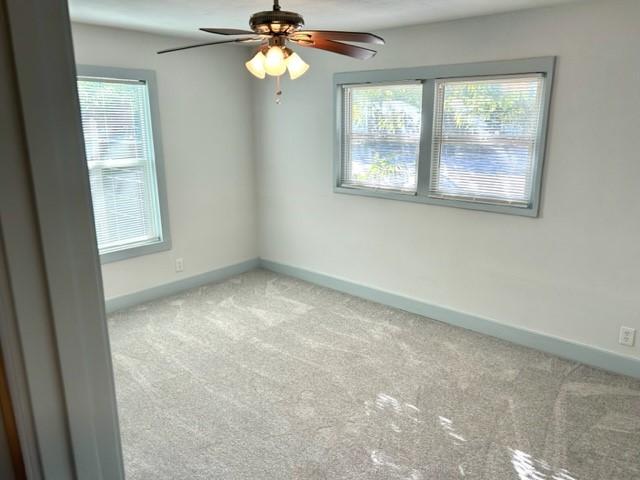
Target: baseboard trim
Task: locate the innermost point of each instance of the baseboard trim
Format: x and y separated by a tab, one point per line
577	352
167	289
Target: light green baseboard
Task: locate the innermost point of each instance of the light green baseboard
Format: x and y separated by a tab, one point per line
577	352
154	293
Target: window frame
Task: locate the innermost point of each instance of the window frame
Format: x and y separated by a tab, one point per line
115	74
428	76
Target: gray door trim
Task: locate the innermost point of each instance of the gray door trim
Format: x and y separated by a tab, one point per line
52	258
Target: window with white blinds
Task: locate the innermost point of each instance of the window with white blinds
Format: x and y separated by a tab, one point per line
466	135
485	139
118	134
381	140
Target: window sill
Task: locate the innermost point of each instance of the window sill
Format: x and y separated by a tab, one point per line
136	251
531	211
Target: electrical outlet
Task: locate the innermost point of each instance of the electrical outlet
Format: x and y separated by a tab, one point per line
179	265
627	336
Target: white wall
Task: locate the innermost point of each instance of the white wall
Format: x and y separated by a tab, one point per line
205	113
573	273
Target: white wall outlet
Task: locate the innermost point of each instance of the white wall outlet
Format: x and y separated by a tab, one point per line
627	336
179	265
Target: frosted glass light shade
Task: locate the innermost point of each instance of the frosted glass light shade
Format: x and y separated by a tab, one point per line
275	64
256	65
297	67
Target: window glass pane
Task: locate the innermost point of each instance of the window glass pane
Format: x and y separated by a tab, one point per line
119	147
485	139
381	136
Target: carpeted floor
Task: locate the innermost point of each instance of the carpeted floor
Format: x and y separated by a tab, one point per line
268	377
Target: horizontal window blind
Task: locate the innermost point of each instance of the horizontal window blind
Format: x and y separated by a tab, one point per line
485	139
116	122
381	136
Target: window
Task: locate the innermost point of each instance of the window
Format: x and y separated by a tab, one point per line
122	150
382	136
484	139
470	136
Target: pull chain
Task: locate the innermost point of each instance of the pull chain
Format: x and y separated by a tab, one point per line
278	94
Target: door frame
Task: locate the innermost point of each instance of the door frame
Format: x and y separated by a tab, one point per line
53	329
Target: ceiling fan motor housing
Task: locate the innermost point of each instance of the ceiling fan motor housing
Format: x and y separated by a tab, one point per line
276	22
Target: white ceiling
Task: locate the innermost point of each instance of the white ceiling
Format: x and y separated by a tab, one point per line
184	17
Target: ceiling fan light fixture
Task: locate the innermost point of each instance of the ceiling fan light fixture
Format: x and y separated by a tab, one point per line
257	65
275	63
296	66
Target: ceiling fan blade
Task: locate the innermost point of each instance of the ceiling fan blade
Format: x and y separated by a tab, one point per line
358	37
227	31
354	51
235	40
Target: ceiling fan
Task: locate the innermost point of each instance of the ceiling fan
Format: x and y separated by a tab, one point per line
273	29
